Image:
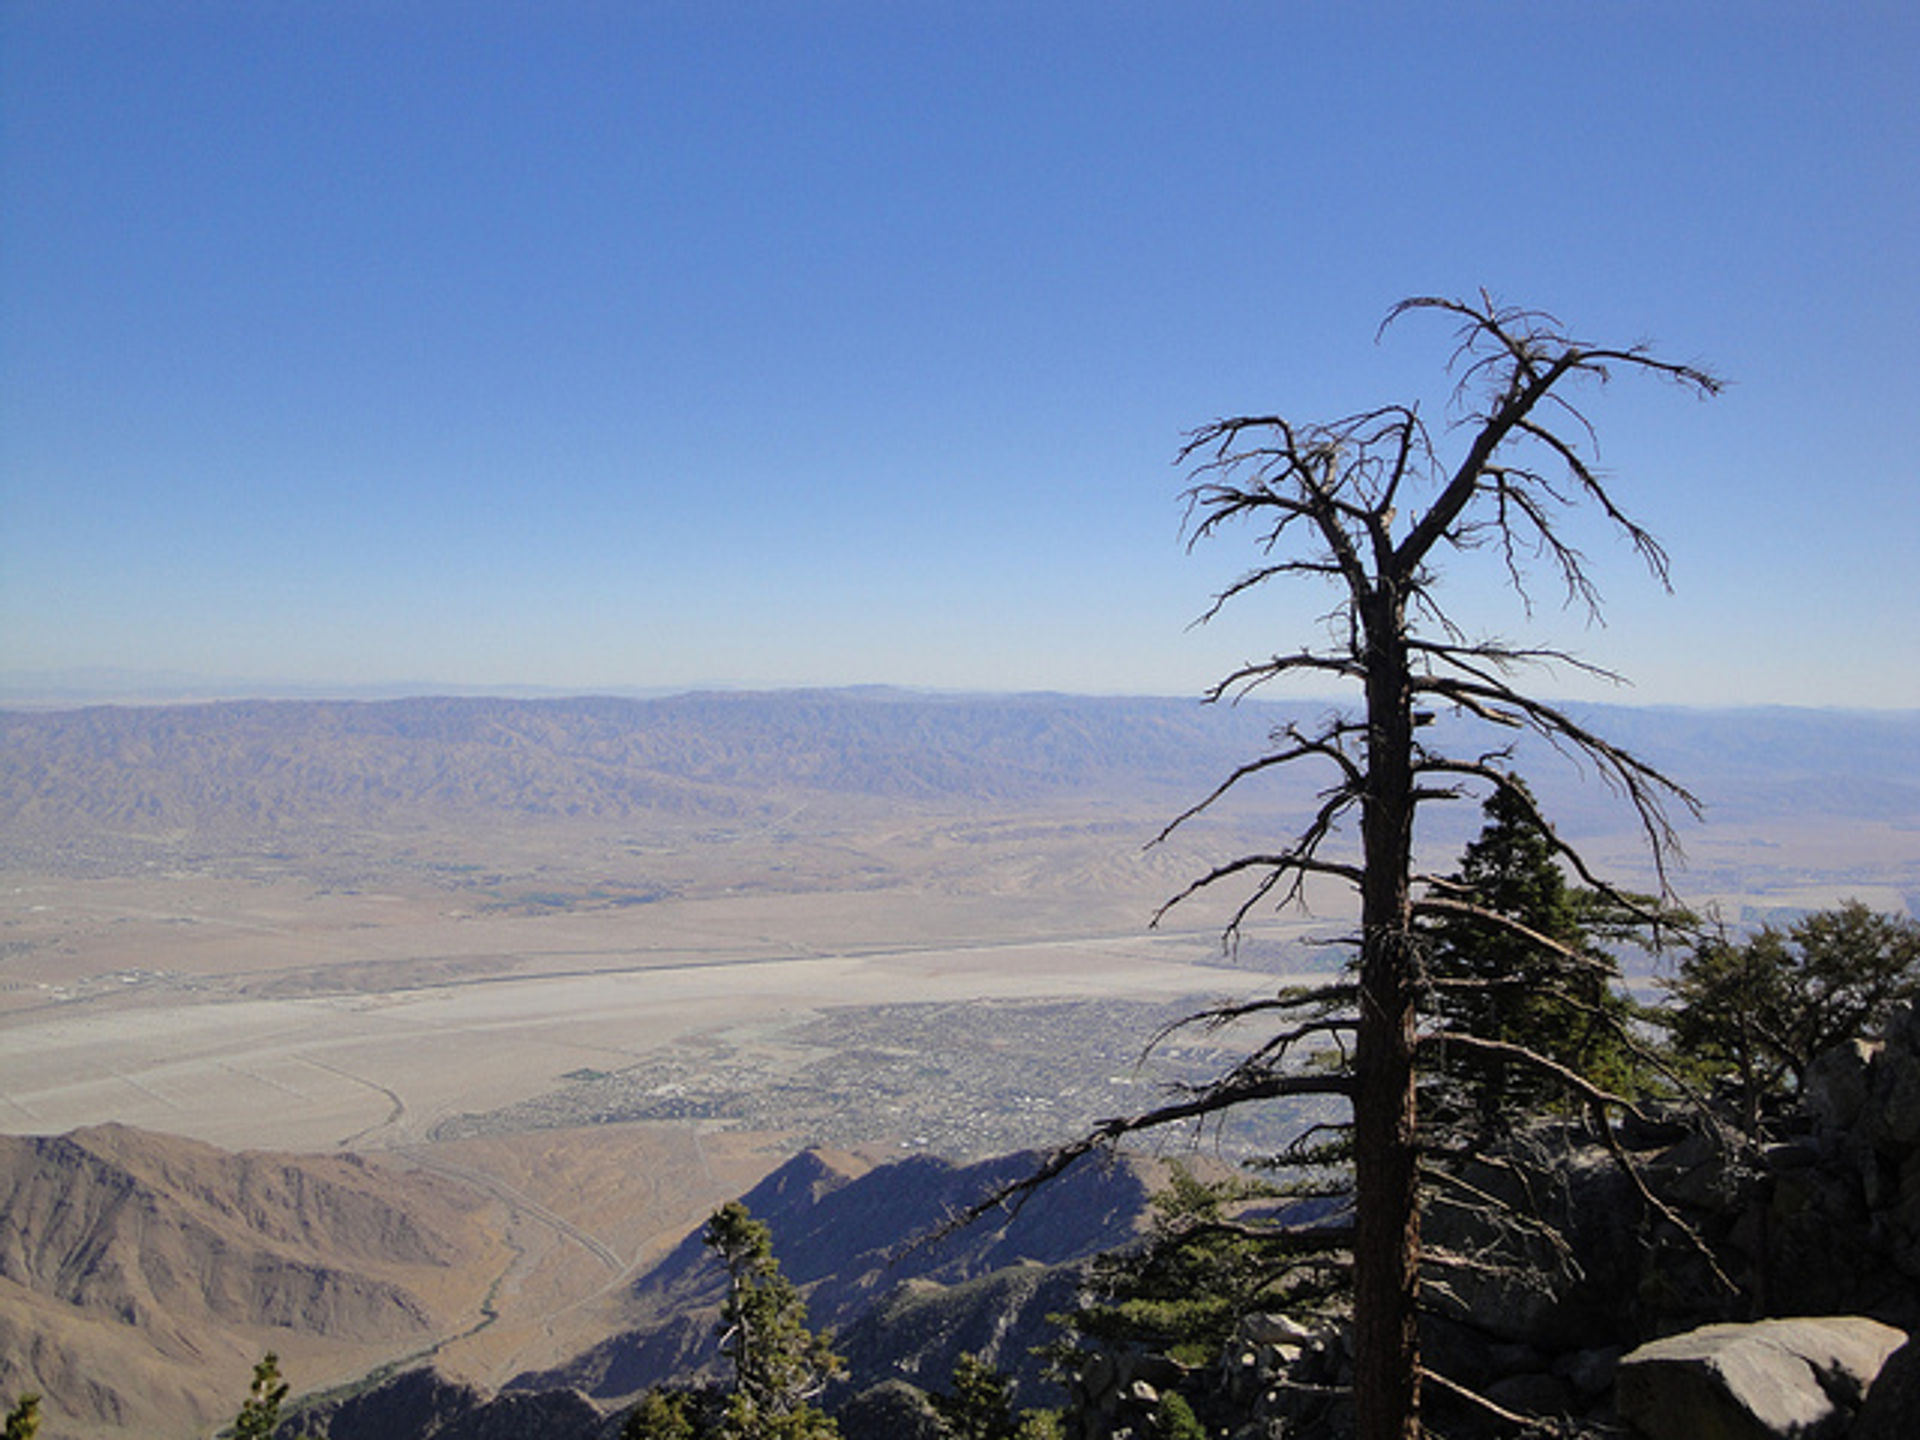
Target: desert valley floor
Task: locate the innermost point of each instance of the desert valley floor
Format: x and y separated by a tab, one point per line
604	1072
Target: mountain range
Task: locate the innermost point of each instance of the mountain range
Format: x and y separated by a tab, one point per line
237	767
852	1236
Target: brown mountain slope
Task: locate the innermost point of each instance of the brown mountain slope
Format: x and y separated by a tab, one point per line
142	1274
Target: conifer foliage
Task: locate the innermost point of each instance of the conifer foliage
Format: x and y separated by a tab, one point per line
260	1412
23	1420
664	1414
1765	1006
780	1367
1516	961
1201	1268
980	1404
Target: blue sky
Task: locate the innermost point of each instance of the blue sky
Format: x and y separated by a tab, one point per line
596	345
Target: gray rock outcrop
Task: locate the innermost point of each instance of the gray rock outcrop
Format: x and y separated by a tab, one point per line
1863	1101
1801	1379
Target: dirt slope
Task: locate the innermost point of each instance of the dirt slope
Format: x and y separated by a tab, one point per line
141	1274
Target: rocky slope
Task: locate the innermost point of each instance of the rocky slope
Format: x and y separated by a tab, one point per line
1578	1281
903	1301
141	1275
862	1244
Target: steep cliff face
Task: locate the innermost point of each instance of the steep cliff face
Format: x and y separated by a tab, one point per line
141	1274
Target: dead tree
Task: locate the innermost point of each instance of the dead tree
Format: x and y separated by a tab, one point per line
1364	504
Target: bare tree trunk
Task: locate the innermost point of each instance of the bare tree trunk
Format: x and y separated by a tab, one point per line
1386	1196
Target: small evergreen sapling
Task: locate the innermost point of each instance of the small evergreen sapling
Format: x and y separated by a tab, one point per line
23	1420
259	1413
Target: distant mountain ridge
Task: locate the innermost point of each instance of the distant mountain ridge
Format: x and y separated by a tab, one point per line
241	765
250	768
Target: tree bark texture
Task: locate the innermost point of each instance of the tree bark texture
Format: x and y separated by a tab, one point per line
1385	1143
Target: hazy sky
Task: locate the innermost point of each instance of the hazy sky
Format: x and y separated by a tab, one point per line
601	345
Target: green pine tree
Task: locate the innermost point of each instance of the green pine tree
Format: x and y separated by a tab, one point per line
1173	1419
1766	1006
779	1365
1524	967
662	1415
1039	1424
1184	1291
260	1411
980	1404
23	1420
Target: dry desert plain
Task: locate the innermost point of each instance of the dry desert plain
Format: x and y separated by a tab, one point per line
268	1010
608	1070
604	1026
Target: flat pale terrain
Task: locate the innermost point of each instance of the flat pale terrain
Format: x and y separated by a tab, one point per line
268	1012
264	1013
